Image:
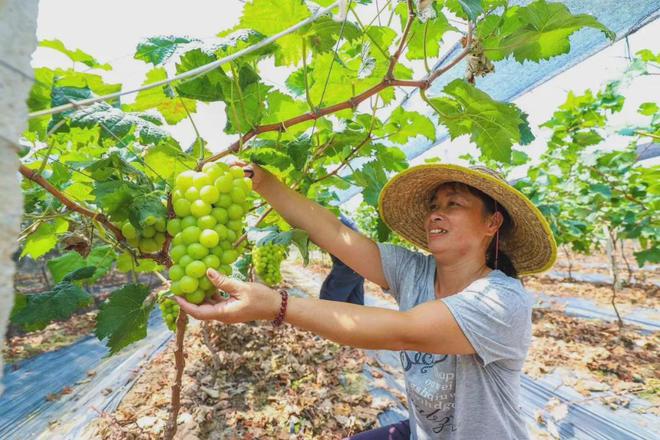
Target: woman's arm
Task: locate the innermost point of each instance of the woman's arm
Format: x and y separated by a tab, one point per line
358	252
429	327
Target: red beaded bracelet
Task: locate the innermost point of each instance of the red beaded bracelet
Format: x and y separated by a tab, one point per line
280	316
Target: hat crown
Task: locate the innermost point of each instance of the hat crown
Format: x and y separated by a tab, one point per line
487	170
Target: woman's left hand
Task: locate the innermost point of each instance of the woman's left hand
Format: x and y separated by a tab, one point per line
246	302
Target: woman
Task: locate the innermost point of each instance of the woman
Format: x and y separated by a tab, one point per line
464	321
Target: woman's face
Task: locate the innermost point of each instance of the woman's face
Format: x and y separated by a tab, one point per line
456	226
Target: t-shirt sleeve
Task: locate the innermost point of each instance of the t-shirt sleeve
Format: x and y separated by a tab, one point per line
397	262
495	317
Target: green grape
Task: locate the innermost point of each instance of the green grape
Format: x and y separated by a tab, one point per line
160	225
150	220
129	231
148	231
236	172
188	284
182	207
135	242
235	225
224	183
196	269
267	260
188	221
217	251
212	261
169	309
177	194
221	230
231	236
205	284
207	222
192	194
176	288
248	183
196	297
185	260
225	269
148	245
229	256
191	234
209	194
237	195
220	214
209	238
174	226
200	180
178	239
224	201
184	180
225	245
160	238
176	272
200	208
212	170
197	251
235	212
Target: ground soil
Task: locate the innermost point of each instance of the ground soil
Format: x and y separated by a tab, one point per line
264	383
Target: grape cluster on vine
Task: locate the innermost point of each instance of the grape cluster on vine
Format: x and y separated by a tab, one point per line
210	208
267	260
170	311
150	238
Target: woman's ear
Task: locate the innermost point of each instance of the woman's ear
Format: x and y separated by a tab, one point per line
495	222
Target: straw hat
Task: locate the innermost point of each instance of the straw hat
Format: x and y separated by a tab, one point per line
403	206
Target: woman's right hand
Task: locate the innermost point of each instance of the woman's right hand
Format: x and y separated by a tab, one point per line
254	172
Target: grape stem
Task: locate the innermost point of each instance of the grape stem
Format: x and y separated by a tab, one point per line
180	364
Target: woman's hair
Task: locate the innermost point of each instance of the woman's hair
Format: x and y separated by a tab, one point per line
504	263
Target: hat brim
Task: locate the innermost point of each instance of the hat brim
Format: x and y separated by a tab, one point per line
403	206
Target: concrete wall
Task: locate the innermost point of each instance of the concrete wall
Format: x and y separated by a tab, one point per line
18	25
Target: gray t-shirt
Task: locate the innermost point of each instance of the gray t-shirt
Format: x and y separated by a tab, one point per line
464	397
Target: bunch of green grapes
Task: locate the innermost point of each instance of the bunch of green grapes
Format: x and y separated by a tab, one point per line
170	310
267	260
150	239
210	208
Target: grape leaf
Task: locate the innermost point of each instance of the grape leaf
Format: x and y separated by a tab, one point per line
101	257
403	125
172	108
167	161
44	238
270	18
114	196
123	318
322	34
372	178
651	255
146	205
207	87
467	9
55	305
494	126
538	31
113	122
236	40
430	31
76	56
65	264
285	238
157	50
